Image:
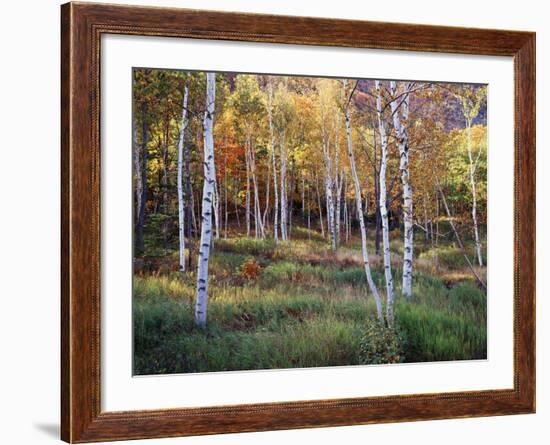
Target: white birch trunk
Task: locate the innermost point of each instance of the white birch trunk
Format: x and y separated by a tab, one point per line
258	225
328	184
308	210
265	221
284	224
247	202
346	211
273	159
383	208
403	143
474	192
330	208
360	216
337	177
207	197
225	195
319	203
181	197
303	196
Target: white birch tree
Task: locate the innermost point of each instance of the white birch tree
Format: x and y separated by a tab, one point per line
207	201
337	176
258	225
359	206
274	162
247	197
471	101
328	180
383	204
283	161
400	113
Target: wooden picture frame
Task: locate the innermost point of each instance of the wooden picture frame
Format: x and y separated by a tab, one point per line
82	25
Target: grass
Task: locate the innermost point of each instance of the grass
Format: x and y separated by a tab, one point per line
301	306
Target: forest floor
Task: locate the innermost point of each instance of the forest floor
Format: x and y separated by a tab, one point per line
296	304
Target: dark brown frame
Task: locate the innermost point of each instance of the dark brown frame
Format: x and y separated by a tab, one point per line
82	25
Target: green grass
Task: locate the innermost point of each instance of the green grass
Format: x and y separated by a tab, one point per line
295	313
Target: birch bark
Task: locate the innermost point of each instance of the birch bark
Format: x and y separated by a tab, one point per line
473	165
319	204
274	162
207	196
247	202
258	226
383	208
400	114
284	214
337	177
328	184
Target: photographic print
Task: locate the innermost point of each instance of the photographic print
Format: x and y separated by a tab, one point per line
285	221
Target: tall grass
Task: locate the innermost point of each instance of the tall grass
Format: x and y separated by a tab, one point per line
295	314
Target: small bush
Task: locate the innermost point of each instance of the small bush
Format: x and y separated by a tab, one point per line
250	269
381	344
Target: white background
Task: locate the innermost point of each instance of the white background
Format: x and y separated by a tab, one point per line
29	226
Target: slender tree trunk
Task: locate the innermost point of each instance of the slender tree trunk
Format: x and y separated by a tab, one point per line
303	196
273	160
328	185
265	220
181	193
338	211
403	143
290	201
383	208
308	210
247	199
258	226
319	204
346	213
474	192
360	216
226	216
284	211
208	192
337	176
436	253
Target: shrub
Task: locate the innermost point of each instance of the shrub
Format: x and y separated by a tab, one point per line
381	344
250	269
